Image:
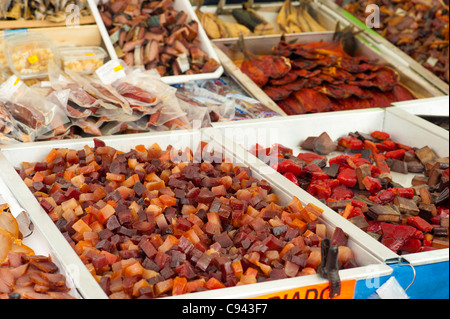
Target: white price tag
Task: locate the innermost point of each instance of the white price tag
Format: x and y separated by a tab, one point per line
110	72
391	289
10	86
115	36
432	61
183	62
400	12
46	84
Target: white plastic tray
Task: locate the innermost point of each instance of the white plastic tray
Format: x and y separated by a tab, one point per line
269	10
205	43
11	156
261	45
34	239
434	106
291	131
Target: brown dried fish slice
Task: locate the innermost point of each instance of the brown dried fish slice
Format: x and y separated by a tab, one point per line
26	114
384	213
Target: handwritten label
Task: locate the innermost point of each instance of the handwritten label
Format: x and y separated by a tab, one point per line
321	291
10	86
110	72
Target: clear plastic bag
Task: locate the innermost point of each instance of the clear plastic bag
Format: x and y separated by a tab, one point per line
89	126
7	139
10	130
35	113
168	111
121	127
153	103
198	116
117	115
219	108
142	89
5	72
107	96
245	107
61	98
78	95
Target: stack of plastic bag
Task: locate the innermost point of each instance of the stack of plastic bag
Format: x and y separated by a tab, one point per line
224	100
72	105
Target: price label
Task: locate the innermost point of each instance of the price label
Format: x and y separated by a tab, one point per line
110	72
33	59
115	36
321	291
400	12
90	54
46	84
10	86
118	68
17	81
432	61
183	62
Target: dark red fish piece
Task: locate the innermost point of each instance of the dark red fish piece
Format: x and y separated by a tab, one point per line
291	106
133	92
288	78
399	93
276	93
313	101
344	91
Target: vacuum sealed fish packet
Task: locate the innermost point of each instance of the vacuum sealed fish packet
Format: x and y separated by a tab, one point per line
6	140
167	111
142	89
106	94
89	126
78	96
122	127
139	99
34	113
10	129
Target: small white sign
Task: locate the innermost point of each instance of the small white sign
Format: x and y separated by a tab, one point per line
110	72
10	86
391	289
183	62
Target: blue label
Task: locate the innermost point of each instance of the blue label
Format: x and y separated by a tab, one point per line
8	33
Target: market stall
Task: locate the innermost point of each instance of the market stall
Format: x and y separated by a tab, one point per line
184	149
